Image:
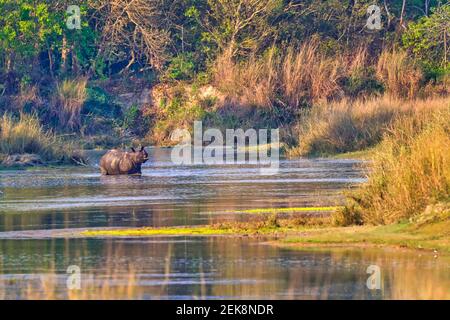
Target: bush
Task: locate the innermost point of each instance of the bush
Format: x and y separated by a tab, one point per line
346	216
175	108
181	67
99	103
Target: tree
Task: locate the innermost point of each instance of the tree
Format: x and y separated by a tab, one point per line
236	26
133	30
429	37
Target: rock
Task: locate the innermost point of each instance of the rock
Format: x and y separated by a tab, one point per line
22	160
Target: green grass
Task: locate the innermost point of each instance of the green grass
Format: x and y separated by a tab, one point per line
288	210
433	236
426	236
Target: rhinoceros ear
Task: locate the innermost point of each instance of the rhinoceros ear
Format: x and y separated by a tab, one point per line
132	149
142	148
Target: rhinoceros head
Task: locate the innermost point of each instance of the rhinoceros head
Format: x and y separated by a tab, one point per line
140	156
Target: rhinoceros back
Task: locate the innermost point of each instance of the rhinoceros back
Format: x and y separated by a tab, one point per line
117	162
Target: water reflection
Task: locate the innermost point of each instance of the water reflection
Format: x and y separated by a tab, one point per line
214	268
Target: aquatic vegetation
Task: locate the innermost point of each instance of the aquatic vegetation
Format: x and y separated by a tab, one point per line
182	231
288	210
429	236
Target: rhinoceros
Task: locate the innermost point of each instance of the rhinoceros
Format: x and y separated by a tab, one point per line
116	162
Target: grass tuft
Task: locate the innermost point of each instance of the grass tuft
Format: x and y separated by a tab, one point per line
26	135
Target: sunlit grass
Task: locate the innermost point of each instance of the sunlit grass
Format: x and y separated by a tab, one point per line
202	230
434	236
26	135
288	210
410	171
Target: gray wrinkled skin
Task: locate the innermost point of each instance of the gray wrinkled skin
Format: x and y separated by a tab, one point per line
116	162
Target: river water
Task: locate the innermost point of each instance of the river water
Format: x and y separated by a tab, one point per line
37	204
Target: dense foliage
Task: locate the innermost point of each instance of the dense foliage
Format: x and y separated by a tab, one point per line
48	66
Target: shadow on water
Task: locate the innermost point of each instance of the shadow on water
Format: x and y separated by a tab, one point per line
190	267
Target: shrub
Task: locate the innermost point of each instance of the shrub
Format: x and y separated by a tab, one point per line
175	108
181	67
99	103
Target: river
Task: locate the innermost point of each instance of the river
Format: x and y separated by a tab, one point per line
37	203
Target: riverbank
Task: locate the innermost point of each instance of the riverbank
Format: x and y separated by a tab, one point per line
311	232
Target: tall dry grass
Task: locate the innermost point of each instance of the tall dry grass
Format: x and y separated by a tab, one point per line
399	73
296	77
26	135
346	125
307	75
301	76
68	102
410	169
249	83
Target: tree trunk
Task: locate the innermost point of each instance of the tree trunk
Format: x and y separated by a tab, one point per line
402	13
50	61
75	66
64	55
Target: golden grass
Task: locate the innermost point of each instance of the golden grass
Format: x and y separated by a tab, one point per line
300	76
348	126
68	102
250	83
307	75
297	76
399	73
410	169
27	135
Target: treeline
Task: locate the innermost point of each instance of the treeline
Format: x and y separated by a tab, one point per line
182	37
